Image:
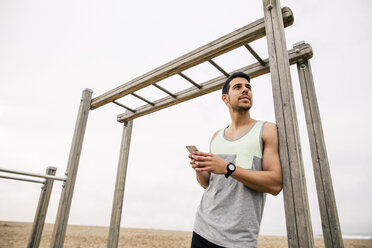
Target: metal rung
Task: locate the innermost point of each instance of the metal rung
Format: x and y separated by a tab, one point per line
161	88
143	99
22	179
121	105
219	68
250	49
190	80
32	174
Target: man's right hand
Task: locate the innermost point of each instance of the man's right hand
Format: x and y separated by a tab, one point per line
201	176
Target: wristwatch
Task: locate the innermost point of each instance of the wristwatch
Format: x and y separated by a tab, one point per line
230	169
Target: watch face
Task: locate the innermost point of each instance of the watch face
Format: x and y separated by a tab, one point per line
231	167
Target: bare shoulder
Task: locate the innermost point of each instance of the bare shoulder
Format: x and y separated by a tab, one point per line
269	132
214	136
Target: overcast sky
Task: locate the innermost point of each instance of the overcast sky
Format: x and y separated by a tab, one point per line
51	50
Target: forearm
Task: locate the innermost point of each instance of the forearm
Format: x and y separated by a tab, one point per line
203	178
263	181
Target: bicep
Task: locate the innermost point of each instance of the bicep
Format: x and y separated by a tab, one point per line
271	161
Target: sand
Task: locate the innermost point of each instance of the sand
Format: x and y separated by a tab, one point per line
16	234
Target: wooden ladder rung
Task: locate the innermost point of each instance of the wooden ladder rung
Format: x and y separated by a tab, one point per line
253	52
190	80
219	68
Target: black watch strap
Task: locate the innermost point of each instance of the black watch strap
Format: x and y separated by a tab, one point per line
230	169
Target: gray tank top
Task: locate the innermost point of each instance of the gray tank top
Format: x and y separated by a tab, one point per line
230	213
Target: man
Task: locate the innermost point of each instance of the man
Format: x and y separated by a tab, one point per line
242	166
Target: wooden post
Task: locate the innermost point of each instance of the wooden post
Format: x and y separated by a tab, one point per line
42	208
326	198
299	229
117	205
63	213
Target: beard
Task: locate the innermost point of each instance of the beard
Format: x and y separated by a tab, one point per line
240	109
237	108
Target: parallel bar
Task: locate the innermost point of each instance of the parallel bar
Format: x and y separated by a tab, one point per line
21	179
219	68
117	206
31	174
166	91
220	46
253	52
254	70
123	106
299	229
143	99
190	80
41	211
63	213
326	197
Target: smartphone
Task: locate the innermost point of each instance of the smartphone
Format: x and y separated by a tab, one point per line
191	148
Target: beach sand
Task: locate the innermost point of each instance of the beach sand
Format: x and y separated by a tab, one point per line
16	234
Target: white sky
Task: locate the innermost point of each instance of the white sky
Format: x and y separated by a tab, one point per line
51	50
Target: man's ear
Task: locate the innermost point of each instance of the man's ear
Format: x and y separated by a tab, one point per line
225	98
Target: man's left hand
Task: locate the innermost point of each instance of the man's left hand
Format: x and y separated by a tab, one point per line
209	162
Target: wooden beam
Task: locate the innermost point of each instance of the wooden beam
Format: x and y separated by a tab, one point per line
60	225
117	206
142	98
164	90
190	80
220	46
219	68
254	70
41	211
253	52
299	229
326	197
123	106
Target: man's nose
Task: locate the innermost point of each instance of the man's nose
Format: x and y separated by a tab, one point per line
245	89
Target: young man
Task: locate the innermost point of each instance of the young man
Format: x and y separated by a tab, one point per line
242	166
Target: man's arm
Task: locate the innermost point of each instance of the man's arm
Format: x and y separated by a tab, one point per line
268	180
202	176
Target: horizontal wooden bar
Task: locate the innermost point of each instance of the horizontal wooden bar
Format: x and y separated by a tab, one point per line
219	68
253	52
244	35
164	90
22	179
143	99
190	80
304	51
123	106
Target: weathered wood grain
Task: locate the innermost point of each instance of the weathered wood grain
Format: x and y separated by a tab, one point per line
41	211
254	70
117	206
299	230
326	198
63	213
220	46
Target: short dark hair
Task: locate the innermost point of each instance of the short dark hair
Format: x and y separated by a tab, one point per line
226	85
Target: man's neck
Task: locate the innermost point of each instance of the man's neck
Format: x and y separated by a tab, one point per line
240	120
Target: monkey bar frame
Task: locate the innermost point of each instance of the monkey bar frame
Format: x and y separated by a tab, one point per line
299	229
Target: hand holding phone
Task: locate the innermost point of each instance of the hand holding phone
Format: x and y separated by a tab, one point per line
191	148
